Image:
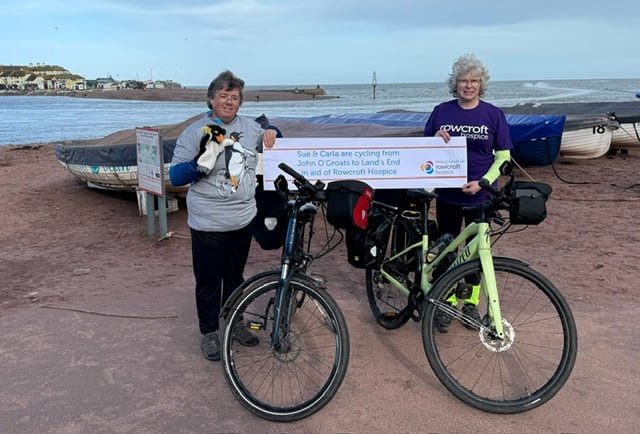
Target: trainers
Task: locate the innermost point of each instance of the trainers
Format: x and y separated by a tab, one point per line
443	319
471	310
242	335
210	346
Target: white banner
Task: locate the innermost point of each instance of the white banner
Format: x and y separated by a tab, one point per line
382	162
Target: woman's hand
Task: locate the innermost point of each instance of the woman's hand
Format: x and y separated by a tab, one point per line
444	134
269	138
471	188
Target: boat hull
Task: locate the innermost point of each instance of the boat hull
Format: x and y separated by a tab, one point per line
111	162
624	122
587	136
627	136
121	178
536	138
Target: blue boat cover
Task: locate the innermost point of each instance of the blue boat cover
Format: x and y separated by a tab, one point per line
536	138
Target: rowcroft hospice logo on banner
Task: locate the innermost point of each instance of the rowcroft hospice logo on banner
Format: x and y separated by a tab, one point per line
443	167
390	162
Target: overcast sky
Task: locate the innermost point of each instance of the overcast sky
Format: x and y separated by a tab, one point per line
309	42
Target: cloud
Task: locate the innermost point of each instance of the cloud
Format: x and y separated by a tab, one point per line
321	41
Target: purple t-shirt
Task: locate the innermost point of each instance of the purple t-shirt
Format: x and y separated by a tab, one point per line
486	130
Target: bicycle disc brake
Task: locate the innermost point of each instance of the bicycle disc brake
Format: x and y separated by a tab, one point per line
495	344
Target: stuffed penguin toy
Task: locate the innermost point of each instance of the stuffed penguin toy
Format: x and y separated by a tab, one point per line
211	145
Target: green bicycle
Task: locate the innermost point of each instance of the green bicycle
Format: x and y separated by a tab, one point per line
523	349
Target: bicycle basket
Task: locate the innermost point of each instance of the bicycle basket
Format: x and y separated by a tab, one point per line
348	204
528	202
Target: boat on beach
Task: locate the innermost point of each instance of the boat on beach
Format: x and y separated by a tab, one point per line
627	136
587	136
111	162
623	118
536	138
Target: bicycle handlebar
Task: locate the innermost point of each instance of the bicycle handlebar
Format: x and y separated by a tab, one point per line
296	176
304	185
500	200
485	185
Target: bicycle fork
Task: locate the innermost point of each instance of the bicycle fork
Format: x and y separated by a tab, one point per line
478	248
283	307
488	280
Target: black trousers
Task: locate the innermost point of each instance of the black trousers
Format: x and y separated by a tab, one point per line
219	259
449	218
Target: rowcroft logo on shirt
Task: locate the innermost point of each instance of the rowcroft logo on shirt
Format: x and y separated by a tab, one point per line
441	167
471	132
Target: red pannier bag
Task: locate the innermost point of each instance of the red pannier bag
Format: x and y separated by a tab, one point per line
348	204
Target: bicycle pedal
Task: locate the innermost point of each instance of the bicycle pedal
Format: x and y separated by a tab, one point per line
255	325
415	315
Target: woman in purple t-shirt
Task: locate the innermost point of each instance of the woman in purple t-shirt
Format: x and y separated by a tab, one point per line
488	146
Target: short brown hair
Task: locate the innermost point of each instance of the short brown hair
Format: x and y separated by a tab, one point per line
226	80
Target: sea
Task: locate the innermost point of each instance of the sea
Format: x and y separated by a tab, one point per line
39	119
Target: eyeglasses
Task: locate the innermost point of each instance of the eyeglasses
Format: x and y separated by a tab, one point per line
235	99
472	82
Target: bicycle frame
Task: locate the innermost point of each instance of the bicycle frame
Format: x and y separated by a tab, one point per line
479	247
292	239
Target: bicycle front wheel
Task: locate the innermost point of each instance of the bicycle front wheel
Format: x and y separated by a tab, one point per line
523	370
391	307
306	371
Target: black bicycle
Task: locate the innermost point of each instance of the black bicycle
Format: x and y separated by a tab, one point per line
303	353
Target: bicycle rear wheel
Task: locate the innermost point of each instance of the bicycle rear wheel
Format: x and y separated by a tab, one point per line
302	376
391	307
522	371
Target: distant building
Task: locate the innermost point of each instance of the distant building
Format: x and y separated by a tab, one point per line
39	77
52	77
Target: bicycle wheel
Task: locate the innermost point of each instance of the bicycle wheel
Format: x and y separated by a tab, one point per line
391	307
305	373
522	371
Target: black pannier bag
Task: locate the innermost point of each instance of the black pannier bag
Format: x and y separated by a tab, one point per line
348	204
529	202
272	219
366	249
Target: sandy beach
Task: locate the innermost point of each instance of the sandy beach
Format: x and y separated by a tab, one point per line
99	332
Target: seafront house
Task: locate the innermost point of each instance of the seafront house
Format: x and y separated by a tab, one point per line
39	77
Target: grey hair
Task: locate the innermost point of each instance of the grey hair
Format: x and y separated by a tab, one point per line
465	64
226	80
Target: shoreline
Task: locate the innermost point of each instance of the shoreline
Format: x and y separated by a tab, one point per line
180	95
